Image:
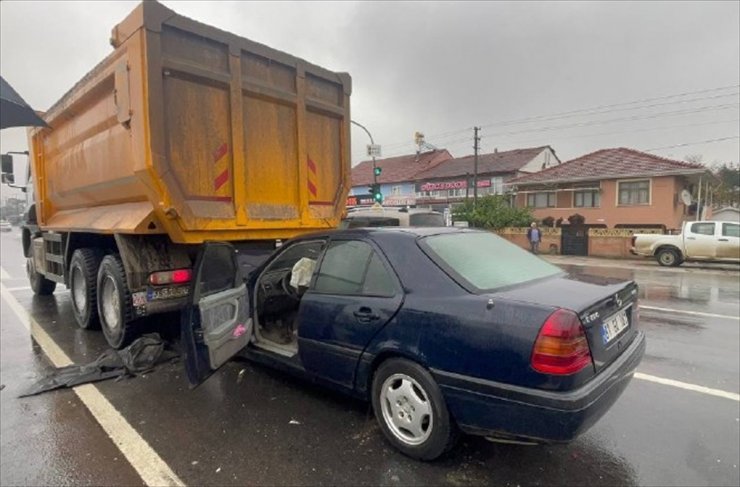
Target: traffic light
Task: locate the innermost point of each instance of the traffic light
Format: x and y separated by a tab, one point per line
377	171
374	191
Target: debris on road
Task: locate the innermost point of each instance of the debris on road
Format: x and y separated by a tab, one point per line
141	356
293	421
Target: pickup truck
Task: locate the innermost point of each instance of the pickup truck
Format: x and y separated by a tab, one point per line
698	241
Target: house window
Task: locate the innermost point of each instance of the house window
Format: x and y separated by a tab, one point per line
541	200
396	191
497	185
634	192
586	199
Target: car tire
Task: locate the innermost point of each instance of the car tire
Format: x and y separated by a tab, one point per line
411	410
668	258
40	285
114	302
83	286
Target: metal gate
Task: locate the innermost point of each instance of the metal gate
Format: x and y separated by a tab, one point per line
574	240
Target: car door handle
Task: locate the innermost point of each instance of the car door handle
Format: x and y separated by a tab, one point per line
690	238
365	315
723	239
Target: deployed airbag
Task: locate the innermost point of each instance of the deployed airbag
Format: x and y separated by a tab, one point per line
301	274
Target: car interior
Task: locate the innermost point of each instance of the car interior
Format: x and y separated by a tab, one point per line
278	296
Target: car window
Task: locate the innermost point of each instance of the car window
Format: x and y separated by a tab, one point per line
352	267
296	252
370	221
702	228
730	230
481	261
378	282
427	220
218	270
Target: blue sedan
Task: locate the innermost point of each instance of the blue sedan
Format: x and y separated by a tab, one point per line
442	329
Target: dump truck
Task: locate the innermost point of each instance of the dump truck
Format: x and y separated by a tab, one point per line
183	134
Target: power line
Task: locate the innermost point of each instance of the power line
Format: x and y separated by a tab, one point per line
649	129
623	119
601	107
570	113
693	143
630	118
673	113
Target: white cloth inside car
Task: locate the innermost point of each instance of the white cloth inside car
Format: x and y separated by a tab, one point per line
301	274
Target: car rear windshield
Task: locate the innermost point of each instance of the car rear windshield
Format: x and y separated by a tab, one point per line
427	220
482	261
369	221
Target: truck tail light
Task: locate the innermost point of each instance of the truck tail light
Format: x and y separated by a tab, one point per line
178	276
561	347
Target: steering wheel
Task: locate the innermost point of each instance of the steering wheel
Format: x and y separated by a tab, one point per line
287	288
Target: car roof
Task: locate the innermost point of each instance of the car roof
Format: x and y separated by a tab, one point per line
411	232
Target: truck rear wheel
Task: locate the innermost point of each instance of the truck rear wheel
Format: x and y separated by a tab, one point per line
668	258
83	272
41	286
114	302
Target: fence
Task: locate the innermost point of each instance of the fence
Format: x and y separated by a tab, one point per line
602	242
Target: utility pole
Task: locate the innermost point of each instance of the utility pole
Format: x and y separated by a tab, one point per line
698	203
476	140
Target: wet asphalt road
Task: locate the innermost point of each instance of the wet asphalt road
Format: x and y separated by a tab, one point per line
262	427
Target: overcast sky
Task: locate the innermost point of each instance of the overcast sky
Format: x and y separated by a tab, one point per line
442	68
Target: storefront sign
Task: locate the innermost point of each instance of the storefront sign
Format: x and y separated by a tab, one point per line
445	185
359	200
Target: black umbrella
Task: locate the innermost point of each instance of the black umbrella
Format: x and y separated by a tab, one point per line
14	112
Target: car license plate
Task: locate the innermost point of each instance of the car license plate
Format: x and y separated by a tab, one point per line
614	325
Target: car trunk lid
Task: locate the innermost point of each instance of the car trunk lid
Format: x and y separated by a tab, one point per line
606	307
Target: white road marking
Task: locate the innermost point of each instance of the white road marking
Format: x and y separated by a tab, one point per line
685	312
688	387
4	274
147	462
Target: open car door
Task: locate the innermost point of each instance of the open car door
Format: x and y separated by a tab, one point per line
217	322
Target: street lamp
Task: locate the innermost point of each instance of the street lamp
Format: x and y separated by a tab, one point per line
373	150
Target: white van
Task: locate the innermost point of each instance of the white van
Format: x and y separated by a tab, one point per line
392	217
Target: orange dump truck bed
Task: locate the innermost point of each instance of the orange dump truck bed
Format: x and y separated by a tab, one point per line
197	133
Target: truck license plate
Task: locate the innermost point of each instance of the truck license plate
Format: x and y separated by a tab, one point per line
614	325
167	293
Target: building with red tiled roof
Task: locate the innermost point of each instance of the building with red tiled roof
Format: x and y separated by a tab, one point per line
612	187
398	169
397	177
435	179
452	181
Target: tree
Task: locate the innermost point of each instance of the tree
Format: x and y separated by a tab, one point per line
493	211
694	159
727	191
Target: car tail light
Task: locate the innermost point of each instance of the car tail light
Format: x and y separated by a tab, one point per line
178	276
561	347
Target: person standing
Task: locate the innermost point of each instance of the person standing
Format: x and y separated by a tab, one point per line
534	235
